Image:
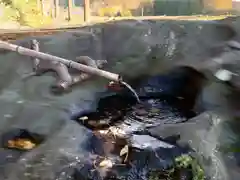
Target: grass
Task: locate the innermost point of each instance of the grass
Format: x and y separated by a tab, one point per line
182	162
186	161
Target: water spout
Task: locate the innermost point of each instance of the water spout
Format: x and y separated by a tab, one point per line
132	90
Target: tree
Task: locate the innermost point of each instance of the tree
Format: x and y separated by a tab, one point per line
56	7
70	4
86	10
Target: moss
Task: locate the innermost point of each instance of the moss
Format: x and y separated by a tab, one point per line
162	175
186	161
182	163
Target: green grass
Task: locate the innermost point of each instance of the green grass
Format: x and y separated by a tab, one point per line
186	161
182	162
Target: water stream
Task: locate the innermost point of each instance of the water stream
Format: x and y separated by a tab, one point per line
132	90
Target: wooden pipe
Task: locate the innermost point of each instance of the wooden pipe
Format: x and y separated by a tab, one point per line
69	63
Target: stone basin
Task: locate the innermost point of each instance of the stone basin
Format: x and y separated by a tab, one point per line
133	49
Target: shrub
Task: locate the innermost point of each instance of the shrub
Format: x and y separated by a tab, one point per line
113	11
25	12
7	13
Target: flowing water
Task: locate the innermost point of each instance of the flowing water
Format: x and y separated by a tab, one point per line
132	90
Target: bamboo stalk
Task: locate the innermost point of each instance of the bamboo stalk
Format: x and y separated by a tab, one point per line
69	63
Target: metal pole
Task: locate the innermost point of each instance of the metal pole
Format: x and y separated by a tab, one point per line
69	63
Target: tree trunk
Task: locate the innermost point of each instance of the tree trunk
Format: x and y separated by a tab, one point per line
56	5
86	10
42	7
39	4
70	4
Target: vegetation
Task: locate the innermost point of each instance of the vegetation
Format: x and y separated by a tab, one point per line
30	12
184	162
119	7
24	12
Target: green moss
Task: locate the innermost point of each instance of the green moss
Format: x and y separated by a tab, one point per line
186	161
162	175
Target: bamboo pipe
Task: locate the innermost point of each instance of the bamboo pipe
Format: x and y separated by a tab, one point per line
69	63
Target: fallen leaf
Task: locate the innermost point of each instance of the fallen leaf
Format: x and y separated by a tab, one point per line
106	163
23	144
124	150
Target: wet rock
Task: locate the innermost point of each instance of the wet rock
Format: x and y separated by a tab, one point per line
185	131
10	153
157	153
65	149
148	142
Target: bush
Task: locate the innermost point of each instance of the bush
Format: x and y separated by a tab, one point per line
8	14
113	11
24	12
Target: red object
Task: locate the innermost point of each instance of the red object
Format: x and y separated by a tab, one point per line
114	86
